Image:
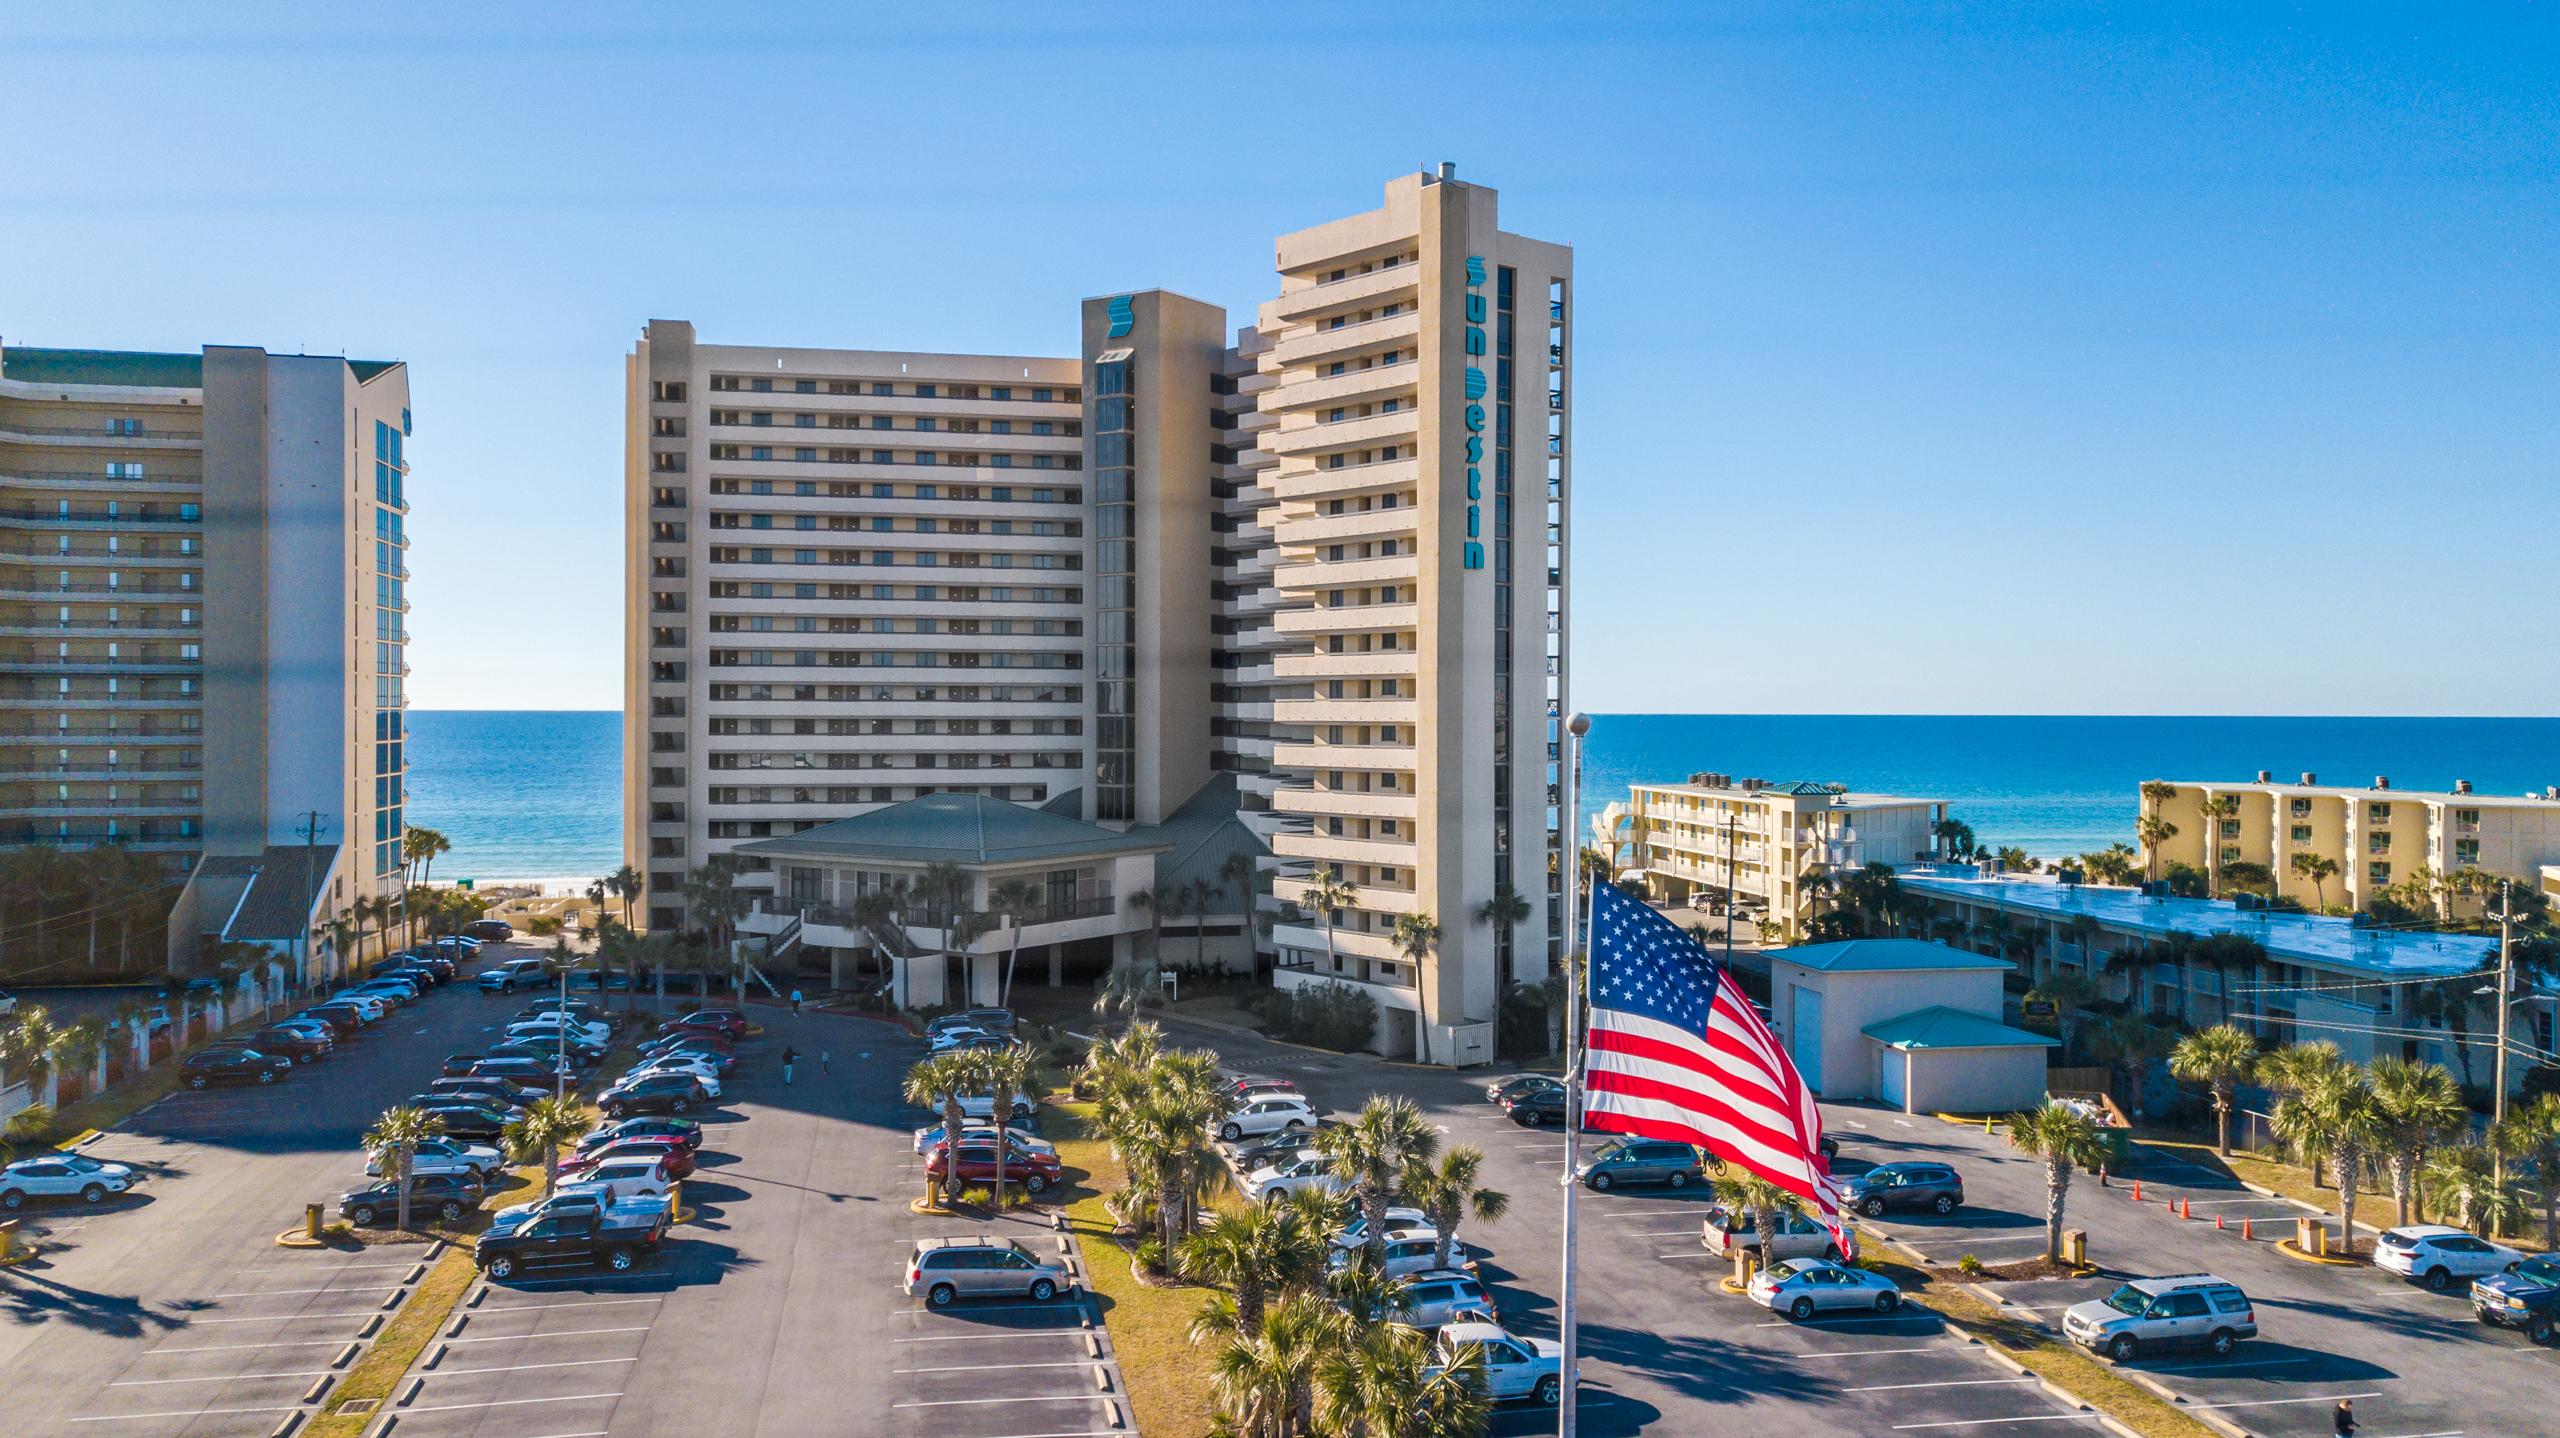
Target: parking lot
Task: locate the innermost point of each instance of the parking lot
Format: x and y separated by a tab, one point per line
2413	1362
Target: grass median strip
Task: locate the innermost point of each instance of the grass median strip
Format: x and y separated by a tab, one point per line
2051	1358
1167	1377
402	1340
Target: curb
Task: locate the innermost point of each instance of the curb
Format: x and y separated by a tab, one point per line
77	1139
2290	1249
297	1238
2153	1385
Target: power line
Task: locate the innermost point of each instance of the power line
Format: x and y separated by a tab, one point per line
2445	1036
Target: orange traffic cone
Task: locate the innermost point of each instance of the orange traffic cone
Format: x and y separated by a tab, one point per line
2137	1190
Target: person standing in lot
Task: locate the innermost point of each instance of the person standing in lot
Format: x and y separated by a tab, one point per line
2343	1423
795	1003
789	1055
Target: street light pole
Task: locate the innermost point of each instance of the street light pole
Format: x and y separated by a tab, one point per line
2506	976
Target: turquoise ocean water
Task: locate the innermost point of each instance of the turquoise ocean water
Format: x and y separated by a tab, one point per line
539	795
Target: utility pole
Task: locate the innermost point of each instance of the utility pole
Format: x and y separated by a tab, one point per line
2506	976
310	883
1732	887
1576	727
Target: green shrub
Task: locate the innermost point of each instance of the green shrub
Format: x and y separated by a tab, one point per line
1969	1266
1330	1015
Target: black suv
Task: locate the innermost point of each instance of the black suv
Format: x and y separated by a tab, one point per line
300	1046
651	1093
466	1118
1933	1186
212	1066
446	1195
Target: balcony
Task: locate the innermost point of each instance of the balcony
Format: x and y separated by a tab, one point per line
1348	481
1343	756
1316	389
86	479
1347	619
1391	709
1383	804
1366	291
83	435
1325	664
1366	432
1398	852
1394	522
1342	573
1308	345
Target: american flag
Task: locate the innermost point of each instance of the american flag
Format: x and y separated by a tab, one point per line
1676	1051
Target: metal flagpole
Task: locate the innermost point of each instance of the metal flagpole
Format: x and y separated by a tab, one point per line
1575	893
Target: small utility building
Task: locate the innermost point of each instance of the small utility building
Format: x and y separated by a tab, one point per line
1914	1024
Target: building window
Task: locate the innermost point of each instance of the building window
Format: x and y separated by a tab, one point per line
2302	833
2378	873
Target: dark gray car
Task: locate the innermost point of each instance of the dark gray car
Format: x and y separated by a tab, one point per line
1933	1186
1643	1160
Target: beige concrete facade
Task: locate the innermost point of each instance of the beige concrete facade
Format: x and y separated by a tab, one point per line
1420	463
1327	556
1750	841
2378	836
203	604
853	577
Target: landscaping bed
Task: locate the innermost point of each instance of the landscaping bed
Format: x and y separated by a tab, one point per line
1149	1321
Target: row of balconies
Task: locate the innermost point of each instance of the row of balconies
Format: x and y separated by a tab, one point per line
1400	426
1348	619
1349	481
1326	342
1372	290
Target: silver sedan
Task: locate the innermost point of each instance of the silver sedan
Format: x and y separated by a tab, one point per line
1801	1288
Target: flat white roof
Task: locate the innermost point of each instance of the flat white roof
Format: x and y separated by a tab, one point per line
2476	800
2300	938
1850	800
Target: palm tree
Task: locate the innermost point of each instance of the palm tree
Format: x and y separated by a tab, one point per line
2215	808
2421	1106
2342	1105
1264	1386
30	1125
712	901
1007	1071
1159	902
2222	1058
31	1043
2316	870
2291	1071
1272	1248
627	884
2458	1180
2111	865
538	1133
2064	1139
941	1082
1385	1140
1414	936
1236	872
1745	1192
1389	1383
394	1140
1014	900
944	888
2533	1130
1448	1190
1326	893
1197	896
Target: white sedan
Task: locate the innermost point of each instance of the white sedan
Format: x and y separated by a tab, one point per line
1514	1368
2436	1255
1801	1288
593	1036
1308	1170
62	1175
367	1006
445	1155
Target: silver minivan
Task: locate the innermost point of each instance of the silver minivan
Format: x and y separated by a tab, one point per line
945	1270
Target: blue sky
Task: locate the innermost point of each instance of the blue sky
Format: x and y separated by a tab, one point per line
2035	358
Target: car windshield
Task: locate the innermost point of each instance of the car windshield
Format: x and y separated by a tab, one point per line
81	1163
2541	1272
1781	1272
2130	1299
1609	1151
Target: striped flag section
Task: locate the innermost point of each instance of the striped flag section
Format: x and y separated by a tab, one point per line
1676	1051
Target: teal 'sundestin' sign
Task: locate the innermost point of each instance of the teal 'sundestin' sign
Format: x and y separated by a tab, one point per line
1475	412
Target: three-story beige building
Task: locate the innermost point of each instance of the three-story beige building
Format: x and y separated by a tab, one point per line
1751	846
2377	836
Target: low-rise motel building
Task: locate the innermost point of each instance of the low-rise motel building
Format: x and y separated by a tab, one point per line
2371	990
1754	845
2376	836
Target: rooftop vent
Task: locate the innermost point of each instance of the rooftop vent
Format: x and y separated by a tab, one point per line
1448	169
2382	781
2462	786
2309	778
2266	776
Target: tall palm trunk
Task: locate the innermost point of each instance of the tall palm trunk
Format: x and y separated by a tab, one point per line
2057	1185
2350	1156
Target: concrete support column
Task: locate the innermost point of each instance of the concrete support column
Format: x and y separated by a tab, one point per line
1057	966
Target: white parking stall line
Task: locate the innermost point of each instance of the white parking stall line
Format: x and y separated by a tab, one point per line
1942	1383
286	1317
976	1402
1907	1311
2225	1367
562	1333
576	1303
2274	1402
375	1287
351	1267
1957	1238
216	1378
2253	1198
1878	1352
1662	1233
1987	1422
1080	1433
245	1347
1063	1309
980	1367
1690	1253
182	1413
505	1402
993	1337
524	1367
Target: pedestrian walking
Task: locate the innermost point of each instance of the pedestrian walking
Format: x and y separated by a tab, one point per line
2343	1423
795	1003
824	1064
789	1056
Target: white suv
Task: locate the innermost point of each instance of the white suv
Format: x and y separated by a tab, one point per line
2436	1255
1271	1113
1514	1368
1307	1170
444	1155
62	1175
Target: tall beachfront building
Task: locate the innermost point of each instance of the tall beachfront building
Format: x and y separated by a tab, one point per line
1312	570
203	619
